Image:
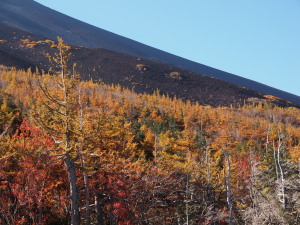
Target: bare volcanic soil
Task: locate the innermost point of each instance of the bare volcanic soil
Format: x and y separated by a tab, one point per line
23	50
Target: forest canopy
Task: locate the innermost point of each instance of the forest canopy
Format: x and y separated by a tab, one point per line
81	152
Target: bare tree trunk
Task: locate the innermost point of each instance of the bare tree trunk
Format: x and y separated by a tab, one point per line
87	199
75	215
209	192
275	162
281	181
85	175
211	207
267	141
187	201
229	203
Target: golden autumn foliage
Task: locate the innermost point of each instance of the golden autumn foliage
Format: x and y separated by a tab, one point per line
141	152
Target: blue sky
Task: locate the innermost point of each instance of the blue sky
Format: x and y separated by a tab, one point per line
256	39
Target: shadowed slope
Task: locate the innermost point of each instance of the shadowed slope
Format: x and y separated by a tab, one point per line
24	49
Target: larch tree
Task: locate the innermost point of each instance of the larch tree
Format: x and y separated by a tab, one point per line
57	112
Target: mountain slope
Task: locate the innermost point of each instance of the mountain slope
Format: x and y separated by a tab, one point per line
38	19
23	50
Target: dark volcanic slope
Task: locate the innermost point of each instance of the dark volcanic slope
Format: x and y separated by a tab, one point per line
12	61
38	19
23	49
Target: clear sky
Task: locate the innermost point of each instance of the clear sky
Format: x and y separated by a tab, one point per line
256	39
